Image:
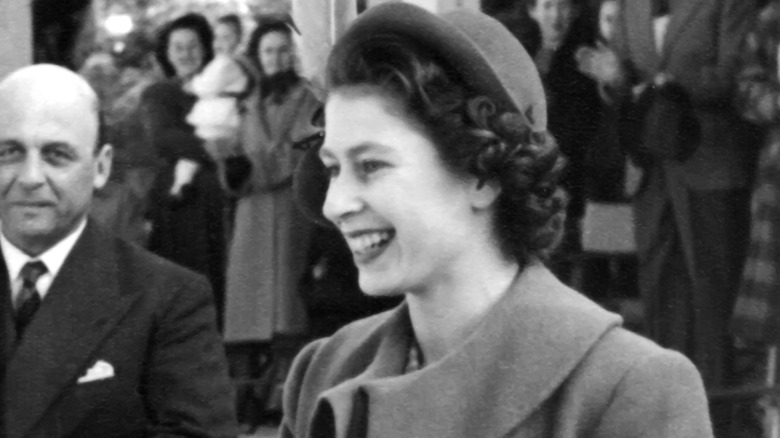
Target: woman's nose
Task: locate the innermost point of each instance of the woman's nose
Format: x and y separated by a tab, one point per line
342	200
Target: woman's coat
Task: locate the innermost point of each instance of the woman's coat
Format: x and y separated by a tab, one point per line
269	247
545	362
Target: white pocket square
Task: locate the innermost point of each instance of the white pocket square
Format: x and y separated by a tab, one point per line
100	371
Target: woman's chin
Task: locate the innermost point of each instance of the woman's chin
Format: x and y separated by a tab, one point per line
376	287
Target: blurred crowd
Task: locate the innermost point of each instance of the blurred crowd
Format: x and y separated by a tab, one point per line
668	112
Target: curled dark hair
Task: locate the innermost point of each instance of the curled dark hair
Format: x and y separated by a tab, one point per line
194	22
470	135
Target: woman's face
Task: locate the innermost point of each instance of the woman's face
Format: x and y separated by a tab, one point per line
275	53
225	39
185	52
407	219
607	17
554	18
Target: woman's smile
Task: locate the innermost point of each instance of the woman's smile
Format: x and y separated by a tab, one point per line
368	245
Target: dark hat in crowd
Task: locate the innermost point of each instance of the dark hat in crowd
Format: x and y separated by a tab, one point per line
488	58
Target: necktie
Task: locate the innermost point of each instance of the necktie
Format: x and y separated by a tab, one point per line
29	299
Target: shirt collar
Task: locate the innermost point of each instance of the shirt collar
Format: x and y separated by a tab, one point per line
53	258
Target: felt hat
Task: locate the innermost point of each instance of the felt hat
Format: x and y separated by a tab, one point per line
488	58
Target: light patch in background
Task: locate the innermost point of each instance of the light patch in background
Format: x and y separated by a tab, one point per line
15	36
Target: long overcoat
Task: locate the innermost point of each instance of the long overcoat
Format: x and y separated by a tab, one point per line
268	251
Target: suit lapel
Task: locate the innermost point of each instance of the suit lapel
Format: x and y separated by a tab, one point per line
81	308
682	11
640	23
7	330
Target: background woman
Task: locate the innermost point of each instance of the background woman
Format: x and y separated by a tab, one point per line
187	205
442	180
268	252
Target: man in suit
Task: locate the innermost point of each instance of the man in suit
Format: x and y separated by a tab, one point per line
98	337
693	209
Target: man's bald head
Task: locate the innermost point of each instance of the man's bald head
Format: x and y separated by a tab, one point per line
56	88
49	164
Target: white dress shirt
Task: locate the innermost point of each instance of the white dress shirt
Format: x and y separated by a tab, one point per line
660	24
53	258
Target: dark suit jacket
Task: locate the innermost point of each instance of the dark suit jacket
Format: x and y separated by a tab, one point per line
701	51
153	321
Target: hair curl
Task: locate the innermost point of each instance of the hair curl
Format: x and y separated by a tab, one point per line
470	135
194	22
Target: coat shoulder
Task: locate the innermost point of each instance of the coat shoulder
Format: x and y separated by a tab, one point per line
144	271
625	374
355	341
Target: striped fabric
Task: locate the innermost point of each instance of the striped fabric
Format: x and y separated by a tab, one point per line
757	312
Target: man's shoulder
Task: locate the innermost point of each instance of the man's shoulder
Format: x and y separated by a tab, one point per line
139	270
140	262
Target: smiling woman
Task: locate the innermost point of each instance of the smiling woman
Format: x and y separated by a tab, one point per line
438	171
187	207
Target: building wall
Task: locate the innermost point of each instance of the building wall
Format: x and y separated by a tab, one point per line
15	36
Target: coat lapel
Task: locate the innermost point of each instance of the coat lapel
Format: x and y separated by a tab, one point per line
501	374
682	11
82	307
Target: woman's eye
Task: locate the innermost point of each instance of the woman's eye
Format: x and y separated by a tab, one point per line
371	166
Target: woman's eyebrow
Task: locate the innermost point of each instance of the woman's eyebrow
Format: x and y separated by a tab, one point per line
358	149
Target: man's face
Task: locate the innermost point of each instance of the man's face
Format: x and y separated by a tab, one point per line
48	165
607	18
554	18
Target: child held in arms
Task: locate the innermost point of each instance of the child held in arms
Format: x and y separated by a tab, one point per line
220	88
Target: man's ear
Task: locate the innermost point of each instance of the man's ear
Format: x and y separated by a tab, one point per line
103	161
484	194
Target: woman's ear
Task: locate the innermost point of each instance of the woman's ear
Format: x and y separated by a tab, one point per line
484	194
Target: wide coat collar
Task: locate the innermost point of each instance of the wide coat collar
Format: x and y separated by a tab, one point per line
83	305
519	355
